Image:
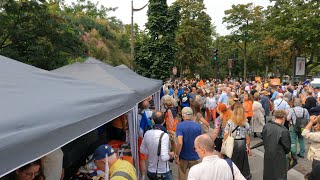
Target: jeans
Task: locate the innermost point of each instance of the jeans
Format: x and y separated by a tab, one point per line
294	136
162	176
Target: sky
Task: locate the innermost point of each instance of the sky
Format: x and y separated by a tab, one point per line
215	8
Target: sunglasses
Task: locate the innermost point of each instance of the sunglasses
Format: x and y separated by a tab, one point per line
31	174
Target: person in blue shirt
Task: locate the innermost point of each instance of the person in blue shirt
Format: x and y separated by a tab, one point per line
185	98
180	90
186	133
224	97
171	91
274	94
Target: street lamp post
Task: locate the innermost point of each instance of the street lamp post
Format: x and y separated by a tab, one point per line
132	30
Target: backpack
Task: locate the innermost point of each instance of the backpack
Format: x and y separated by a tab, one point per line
301	122
173	126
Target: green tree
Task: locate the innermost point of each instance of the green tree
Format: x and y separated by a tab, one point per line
227	50
244	20
155	52
30	34
297	21
194	38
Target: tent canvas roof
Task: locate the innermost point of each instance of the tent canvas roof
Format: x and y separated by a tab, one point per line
42	111
142	85
102	73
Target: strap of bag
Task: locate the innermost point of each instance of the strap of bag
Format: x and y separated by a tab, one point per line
122	174
295	112
280	103
159	150
229	161
234	129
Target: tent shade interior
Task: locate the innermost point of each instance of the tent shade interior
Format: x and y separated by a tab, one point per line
42	111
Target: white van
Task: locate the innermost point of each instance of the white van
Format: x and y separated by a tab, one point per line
315	82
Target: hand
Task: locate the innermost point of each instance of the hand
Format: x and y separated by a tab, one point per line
176	160
249	151
171	154
313	119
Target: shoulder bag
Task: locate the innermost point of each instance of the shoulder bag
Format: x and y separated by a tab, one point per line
228	144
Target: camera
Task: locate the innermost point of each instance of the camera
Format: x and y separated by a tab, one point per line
160	177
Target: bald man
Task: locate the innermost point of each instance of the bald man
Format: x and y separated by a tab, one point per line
211	167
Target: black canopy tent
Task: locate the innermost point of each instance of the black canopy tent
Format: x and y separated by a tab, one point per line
42	111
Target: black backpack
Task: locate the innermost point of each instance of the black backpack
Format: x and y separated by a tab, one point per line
301	122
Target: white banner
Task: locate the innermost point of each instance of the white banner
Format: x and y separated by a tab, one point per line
300	66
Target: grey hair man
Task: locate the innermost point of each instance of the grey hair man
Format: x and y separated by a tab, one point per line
162	101
280	103
186	133
295	114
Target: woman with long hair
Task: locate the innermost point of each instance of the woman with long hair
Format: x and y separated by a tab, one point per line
199	118
31	171
220	124
239	129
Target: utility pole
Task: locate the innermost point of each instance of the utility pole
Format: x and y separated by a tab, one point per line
132	30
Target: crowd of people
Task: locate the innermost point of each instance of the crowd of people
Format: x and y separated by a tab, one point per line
211	111
196	121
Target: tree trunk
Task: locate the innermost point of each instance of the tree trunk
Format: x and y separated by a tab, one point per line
266	73
245	61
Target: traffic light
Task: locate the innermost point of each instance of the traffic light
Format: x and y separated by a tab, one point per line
215	54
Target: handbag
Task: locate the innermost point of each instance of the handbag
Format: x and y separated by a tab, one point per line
228	144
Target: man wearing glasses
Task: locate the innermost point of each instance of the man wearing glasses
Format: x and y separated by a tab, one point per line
212	167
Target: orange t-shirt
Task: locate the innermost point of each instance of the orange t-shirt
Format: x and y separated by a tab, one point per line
247	105
120	122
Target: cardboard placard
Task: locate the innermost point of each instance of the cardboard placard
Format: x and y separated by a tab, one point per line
275	82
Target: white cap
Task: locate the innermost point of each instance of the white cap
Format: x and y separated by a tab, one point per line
187	111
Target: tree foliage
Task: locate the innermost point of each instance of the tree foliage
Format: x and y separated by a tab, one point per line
244	20
155	51
269	39
29	33
49	34
194	38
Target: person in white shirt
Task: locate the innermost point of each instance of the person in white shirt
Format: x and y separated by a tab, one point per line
280	103
158	166
212	166
211	105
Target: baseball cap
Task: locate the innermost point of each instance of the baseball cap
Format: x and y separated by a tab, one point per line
101	152
187	111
